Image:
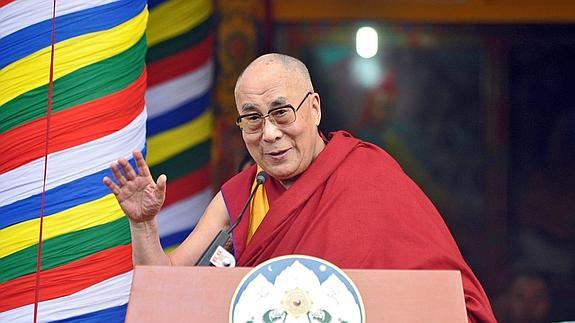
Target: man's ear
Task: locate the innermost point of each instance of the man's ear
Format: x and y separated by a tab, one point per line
316	108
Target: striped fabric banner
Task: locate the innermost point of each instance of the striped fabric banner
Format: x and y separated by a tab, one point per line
98	113
180	80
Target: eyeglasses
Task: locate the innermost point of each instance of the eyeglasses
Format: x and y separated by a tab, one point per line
281	116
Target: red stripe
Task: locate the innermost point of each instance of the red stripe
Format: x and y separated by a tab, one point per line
188	185
67	279
180	63
5	2
72	127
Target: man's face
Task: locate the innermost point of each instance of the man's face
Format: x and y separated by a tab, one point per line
528	300
285	152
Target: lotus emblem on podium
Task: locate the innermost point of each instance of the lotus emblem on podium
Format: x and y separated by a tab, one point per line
296	289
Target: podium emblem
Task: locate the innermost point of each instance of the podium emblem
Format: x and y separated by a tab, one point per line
296	288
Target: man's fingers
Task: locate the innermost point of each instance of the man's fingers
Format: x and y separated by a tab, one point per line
161	187
118	174
161	184
127	169
141	163
111	185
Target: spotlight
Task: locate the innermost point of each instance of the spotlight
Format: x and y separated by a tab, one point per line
366	42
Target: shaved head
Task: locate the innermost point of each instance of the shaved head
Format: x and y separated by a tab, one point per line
290	64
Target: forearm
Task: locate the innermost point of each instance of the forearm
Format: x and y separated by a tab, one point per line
146	247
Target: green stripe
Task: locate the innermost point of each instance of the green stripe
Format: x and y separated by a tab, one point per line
181	42
84	85
185	162
66	248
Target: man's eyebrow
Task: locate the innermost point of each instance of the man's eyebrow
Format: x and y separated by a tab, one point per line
277	102
249	107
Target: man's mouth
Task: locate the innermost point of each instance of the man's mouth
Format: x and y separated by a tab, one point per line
279	153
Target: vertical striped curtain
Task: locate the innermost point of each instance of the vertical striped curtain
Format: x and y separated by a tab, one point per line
97	114
180	81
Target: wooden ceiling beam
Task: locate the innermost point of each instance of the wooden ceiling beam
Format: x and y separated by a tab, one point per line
429	11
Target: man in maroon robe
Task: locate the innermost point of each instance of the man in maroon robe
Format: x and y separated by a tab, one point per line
342	199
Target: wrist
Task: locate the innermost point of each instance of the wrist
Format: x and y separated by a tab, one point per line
147	225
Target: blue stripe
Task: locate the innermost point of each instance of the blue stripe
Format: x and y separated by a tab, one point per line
180	115
58	199
154	3
175	238
35	37
112	314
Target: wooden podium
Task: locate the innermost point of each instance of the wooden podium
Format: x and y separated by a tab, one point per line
203	294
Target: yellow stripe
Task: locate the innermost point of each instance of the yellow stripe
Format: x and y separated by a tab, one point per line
170	249
25	234
33	71
172	142
173	18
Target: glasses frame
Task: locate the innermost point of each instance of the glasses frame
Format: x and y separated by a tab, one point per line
288	106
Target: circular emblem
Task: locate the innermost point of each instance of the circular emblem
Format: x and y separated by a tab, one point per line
296	288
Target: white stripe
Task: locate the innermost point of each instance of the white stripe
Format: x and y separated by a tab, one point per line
73	163
106	294
168	95
184	214
23	13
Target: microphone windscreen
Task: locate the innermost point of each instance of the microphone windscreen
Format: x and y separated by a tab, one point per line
261	177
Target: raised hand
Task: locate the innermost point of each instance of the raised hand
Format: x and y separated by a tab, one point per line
139	196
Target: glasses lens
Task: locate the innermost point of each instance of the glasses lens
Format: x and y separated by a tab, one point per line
283	116
251	123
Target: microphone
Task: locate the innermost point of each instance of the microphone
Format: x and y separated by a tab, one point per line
215	254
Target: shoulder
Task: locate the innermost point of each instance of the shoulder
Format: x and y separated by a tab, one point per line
236	190
365	160
241	180
369	169
362	151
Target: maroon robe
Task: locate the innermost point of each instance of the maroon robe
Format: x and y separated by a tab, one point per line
354	207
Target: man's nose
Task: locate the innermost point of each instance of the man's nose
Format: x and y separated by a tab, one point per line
270	132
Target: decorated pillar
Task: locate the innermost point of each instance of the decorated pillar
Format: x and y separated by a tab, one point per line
72	84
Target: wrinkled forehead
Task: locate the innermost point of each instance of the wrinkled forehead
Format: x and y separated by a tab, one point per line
258	77
262	89
261	104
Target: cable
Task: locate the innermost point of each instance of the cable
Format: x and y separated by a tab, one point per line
48	114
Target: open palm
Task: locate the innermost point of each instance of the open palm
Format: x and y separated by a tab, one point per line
139	196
